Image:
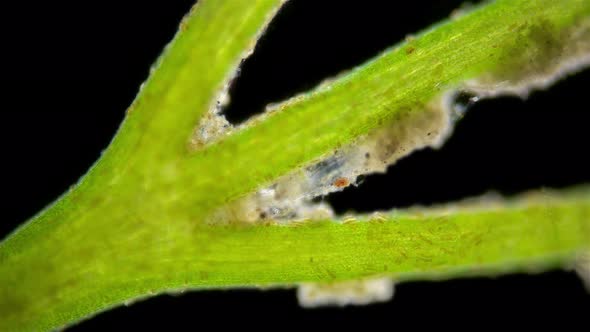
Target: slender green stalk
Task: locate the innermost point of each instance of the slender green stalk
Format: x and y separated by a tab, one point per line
134	226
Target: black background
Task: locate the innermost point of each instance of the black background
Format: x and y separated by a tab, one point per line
68	72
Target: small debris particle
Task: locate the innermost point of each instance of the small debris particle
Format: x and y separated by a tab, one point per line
184	24
341	182
410	50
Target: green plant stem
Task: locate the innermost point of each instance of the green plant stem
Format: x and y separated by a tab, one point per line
525	235
134	225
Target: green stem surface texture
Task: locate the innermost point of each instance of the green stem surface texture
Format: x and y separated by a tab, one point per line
134	225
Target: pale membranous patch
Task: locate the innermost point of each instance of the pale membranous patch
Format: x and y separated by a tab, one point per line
536	60
213	124
290	198
356	292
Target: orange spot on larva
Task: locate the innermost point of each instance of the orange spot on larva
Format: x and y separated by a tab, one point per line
341	182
